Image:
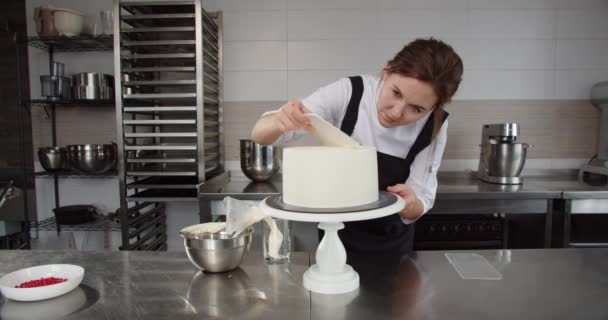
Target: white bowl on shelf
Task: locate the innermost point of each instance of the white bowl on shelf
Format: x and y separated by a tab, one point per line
72	273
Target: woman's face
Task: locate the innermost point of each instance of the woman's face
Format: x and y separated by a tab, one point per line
403	100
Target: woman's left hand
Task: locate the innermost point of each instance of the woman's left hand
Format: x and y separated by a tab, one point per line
413	206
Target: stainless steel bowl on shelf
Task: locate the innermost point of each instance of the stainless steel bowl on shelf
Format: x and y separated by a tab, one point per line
92	158
217	252
52	158
259	162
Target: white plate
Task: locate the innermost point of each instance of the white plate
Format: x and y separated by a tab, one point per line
73	273
328	134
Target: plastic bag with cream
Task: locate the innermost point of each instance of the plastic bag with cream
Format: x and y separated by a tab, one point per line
240	215
198	230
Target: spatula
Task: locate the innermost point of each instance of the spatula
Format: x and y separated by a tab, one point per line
330	135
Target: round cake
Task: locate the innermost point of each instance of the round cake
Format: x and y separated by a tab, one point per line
329	177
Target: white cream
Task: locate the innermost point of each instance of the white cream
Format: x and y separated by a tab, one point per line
329	177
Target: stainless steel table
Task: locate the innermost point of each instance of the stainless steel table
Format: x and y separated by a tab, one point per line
457	193
536	284
582	198
165	285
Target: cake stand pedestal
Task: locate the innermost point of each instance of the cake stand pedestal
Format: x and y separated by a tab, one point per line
331	274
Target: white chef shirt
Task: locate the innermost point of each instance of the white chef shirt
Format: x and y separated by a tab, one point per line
330	102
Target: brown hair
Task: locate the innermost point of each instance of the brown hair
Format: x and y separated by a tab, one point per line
432	61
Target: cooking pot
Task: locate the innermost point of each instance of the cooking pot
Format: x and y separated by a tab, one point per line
92	86
55	87
74	214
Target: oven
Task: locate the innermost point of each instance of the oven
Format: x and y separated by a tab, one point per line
461	232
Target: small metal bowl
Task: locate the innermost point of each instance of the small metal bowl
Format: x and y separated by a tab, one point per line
52	158
217	252
258	162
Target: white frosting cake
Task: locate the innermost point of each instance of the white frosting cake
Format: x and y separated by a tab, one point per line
329	177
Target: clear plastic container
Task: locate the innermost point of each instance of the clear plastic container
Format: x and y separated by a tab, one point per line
284	247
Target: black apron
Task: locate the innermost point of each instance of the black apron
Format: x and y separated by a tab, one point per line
386	235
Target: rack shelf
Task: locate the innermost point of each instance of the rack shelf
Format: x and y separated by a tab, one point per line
172	141
101	223
72	103
164	183
76	175
164	195
73	44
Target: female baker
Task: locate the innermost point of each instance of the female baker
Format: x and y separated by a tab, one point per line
401	114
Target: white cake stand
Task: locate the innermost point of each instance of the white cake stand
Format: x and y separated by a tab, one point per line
331	274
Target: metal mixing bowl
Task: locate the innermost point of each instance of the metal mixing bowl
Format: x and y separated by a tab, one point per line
217	252
506	159
258	162
52	158
92	158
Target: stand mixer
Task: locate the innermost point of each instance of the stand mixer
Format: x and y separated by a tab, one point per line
599	164
501	159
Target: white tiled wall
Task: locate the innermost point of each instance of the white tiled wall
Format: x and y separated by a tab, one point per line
518	49
254	26
582	54
277	49
255	56
255	85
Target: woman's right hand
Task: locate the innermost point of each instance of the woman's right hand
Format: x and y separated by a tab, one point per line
290	117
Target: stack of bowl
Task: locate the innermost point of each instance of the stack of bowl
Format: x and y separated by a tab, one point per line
84	158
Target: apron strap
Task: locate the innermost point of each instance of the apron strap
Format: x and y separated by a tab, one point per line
425	137
352	111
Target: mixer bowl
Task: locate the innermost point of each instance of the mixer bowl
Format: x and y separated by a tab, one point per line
258	162
92	158
506	159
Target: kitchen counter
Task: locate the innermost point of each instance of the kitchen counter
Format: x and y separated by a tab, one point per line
457	193
454	193
549	184
164	285
534	284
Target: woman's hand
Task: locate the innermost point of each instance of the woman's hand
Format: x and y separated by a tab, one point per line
413	206
291	117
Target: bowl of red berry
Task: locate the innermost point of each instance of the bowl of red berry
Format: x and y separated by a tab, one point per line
41	282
